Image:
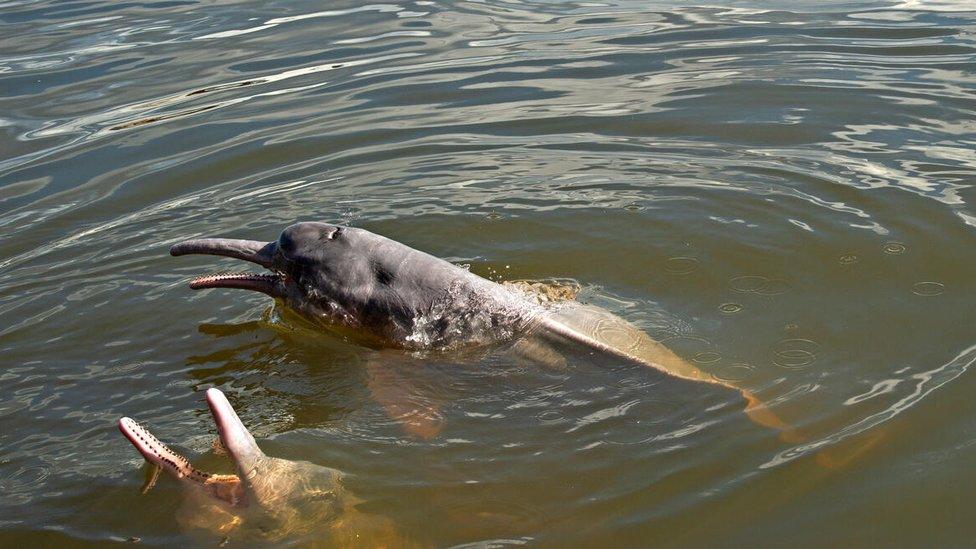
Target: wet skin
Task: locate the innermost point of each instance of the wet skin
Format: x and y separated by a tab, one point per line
388	294
268	498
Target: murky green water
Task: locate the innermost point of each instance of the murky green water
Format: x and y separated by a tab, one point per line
783	195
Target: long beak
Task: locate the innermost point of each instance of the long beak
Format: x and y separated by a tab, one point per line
232	489
235	437
254	251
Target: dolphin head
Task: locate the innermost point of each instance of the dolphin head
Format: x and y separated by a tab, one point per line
269	497
331	274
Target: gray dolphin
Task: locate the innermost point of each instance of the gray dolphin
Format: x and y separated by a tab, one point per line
358	282
268	498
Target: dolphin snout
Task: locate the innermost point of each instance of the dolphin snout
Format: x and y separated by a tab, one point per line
262	253
254	251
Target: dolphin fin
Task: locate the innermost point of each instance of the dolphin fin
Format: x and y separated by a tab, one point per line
839	456
539	352
403	400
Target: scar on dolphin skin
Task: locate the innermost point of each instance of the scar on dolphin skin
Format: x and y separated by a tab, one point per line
359	283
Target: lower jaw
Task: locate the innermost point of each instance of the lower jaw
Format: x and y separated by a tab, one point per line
270	284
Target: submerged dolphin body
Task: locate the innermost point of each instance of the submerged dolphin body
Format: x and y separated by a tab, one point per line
268	498
358	282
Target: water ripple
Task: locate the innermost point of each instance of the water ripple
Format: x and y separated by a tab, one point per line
712	174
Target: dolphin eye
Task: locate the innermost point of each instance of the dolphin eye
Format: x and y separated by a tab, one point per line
383	276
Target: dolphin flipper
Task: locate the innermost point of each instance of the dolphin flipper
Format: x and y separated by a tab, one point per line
400	396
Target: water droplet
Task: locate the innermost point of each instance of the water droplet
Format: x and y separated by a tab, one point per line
894	248
493	215
729	308
928	288
848	259
681	265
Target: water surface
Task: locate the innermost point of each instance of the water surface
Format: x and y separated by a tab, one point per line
782	193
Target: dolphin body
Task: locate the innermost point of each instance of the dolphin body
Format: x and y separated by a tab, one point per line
390	295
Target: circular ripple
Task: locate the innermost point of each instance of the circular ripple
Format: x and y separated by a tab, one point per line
748	283
550	416
848	259
707	357
21	486
729	308
681	265
637	428
630	383
733	372
774	286
894	248
928	288
686	345
795	354
491	516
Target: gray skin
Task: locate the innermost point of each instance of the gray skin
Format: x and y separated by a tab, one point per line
354	281
386	293
268	498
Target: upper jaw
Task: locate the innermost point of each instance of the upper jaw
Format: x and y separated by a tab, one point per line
262	253
254	251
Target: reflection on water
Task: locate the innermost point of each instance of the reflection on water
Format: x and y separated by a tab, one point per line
782	193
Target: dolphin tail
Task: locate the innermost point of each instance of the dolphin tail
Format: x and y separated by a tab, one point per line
761	414
839	457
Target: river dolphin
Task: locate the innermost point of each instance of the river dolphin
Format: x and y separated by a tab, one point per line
355	281
268	498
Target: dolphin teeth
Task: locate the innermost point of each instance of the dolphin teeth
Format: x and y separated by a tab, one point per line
269	283
233	276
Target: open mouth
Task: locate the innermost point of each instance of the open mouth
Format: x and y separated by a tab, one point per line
244	281
262	253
